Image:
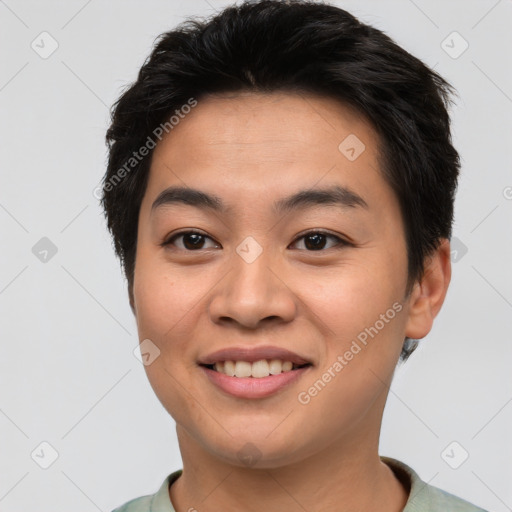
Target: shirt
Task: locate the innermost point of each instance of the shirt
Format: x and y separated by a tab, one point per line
422	496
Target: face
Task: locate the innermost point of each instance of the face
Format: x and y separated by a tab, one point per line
253	272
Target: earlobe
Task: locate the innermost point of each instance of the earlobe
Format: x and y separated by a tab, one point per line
429	293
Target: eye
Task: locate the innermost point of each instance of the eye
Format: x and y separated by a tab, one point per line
317	240
190	241
312	241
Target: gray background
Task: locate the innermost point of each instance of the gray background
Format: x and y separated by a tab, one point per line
68	373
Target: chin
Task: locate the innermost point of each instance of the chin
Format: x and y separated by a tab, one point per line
258	450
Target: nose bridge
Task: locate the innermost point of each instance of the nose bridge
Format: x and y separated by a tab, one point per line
251	291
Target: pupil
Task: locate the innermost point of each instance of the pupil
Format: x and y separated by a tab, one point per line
195	239
318	241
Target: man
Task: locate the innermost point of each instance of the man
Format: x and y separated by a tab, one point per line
280	192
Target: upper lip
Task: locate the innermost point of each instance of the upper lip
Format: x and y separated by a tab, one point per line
253	354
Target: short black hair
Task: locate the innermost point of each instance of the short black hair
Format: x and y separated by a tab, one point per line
296	46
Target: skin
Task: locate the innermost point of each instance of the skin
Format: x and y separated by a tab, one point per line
250	150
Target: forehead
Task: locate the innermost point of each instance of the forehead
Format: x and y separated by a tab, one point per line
280	119
266	143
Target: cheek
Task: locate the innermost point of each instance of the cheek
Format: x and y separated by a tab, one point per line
352	297
166	315
168	303
161	299
364	319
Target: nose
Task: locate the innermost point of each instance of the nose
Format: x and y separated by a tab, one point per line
253	293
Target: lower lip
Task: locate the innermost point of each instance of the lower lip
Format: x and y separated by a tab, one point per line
251	387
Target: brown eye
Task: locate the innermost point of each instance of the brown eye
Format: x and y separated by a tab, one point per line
318	240
189	241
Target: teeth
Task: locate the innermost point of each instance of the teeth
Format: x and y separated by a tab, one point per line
275	367
229	368
242	369
287	366
258	369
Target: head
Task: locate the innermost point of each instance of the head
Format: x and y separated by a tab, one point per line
237	113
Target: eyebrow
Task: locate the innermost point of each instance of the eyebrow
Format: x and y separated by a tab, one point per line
336	195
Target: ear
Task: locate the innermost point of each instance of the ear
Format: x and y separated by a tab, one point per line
429	293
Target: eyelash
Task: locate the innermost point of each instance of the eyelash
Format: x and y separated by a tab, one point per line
339	244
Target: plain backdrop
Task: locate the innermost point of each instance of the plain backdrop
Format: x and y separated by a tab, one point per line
69	376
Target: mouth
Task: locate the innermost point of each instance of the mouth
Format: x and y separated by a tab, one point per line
255	370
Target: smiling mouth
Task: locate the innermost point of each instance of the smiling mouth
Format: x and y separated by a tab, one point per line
257	369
